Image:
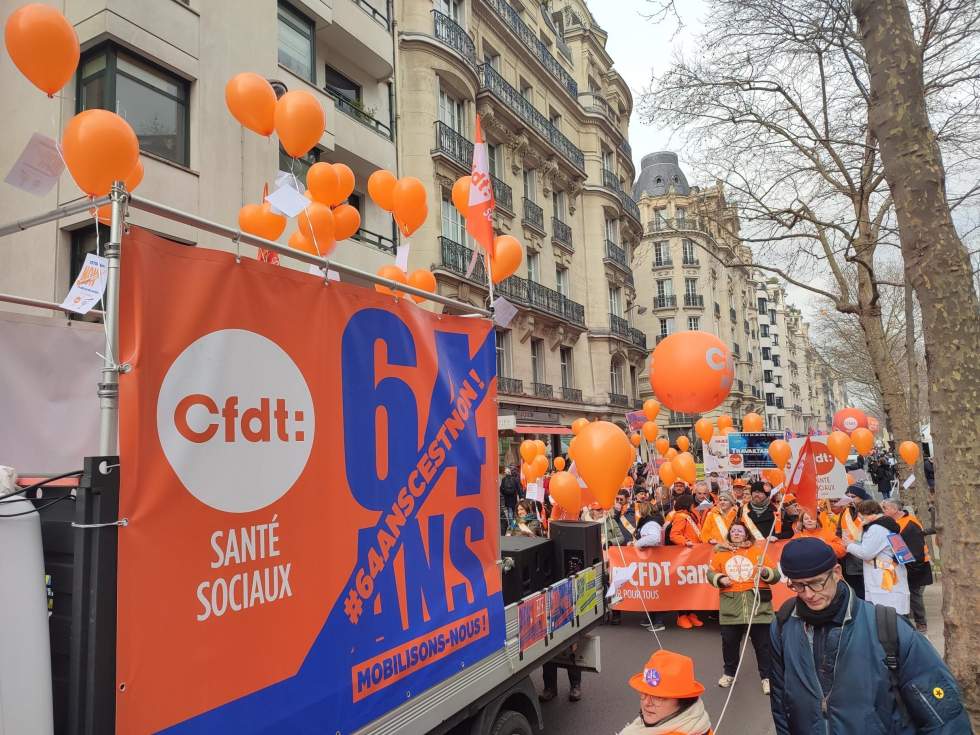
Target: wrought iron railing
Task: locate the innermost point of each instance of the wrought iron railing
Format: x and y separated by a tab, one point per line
454	35
619	326
561	232
667	262
454	145
355	111
695	224
611	181
661	338
375	240
503	195
616	254
379	16
682	418
690	261
626	149
535	295
665	302
618	399
514	386
522	107
694	300
571	394
637	403
542	390
533	215
638	337
457	257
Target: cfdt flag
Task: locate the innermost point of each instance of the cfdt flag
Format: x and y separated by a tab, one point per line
803	481
479	215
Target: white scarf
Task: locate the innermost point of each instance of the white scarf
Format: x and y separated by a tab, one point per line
693	721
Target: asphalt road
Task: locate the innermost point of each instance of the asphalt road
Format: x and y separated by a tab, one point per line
608	702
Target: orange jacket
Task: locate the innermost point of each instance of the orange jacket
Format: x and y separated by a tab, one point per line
710	533
741	572
826	535
684	528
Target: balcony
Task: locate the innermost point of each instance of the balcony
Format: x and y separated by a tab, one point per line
561	233
682	418
611	181
513	386
454	35
619	326
626	149
638	403
542	390
385	244
616	255
684	224
571	394
379	16
665	302
514	101
667	262
456	258
618	399
527	293
453	145
503	195
595	102
534	44
639	338
661	338
355	110
691	262
694	301
533	215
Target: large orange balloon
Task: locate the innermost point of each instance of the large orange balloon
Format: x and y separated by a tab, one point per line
346	221
849	419
667	474
461	194
725	422
299	122
650	409
252	101
99	147
424	280
299	241
261	221
863	441
603	457
775	476
579	424
409	204
528	450
507	257
540	465
691	372
571	448
636	439
909	452
663	444
683	443
43	45
131	182
541	446
704	429
559	463
780	451
752	422
381	188
684	467
566	491
392	273
528	472
345	183
316	223
839	445
670	453
321	180
649	430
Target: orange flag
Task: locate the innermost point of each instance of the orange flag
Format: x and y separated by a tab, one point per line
479	218
803	479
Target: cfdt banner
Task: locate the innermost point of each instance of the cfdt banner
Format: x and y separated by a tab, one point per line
676	578
312	516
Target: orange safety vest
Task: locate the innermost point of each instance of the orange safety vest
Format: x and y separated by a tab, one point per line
686	531
906	520
715	527
740	567
827	536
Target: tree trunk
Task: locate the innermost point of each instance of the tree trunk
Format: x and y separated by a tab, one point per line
938	267
919	491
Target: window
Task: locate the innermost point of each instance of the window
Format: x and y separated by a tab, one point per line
558	202
690	254
561	280
767	376
666	326
661	254
693	323
527	91
153	101
503	353
451	111
615	301
717	310
665	287
492	59
528	176
537	360
612	231
680	213
300	166
660	215
341	85
763	304
533	266
616	376
775	360
775	338
766	353
736	349
453	224
452	8
632	380
770	399
732	315
745	326
691	287
555	119
772	316
567	376
608	160
763	330
296	51
493	156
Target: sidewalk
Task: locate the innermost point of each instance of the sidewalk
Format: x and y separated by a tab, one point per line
934	614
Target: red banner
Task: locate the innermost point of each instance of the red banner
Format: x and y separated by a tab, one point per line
675	578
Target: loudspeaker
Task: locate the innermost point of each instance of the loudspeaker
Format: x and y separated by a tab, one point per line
534	567
577	545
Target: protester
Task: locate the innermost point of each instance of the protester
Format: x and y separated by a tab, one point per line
549	675
885	579
611	532
527	523
758	515
930	471
826	636
739	488
849	529
790	515
510	491
670	698
714	529
623	515
809	526
684	531
920	571
649	527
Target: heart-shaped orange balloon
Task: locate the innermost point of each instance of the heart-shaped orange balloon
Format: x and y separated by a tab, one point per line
346	221
424	280
393	273
507	257
261	221
704	429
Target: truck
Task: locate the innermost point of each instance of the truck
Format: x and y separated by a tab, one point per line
291	524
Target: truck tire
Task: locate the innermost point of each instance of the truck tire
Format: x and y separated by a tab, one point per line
509	722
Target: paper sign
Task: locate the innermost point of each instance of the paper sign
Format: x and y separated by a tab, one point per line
561	604
909	482
503	312
288	201
332	275
535	491
401	256
38	167
620	576
89	286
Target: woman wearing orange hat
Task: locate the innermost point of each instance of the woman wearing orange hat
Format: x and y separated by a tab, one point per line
670	698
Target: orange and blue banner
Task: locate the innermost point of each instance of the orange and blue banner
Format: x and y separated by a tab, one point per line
312	519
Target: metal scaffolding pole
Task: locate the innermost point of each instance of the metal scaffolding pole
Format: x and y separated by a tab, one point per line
24	301
109	387
68	210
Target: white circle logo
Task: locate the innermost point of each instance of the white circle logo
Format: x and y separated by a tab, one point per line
850	423
235	419
739	568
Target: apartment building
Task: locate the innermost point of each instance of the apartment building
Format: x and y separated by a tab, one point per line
555	114
690	234
163	65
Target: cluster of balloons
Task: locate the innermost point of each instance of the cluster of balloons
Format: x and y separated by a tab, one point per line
507	251
421	279
296	117
534	454
405	198
691	372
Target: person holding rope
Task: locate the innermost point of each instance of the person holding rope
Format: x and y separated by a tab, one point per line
733	571
670	698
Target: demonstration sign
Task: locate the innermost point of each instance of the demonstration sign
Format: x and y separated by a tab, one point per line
302	467
831	475
738	452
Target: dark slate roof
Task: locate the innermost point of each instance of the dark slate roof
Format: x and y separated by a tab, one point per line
658	171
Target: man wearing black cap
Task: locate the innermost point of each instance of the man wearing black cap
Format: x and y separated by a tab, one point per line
844	666
757	514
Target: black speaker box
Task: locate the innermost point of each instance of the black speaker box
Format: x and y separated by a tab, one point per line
534	566
578	545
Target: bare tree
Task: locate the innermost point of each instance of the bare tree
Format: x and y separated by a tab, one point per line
939	268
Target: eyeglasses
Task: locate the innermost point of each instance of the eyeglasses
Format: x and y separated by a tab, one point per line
819	586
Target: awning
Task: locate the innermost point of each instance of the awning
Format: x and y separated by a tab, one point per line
535	429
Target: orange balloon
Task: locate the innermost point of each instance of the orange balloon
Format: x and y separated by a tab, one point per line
691	372
649	430
299	241
909	452
850	479
704	429
667	474
252	101
528	472
863	441
683	443
752	422
131	182
410	206
461	194
381	188
559	463
566	492
316	223
650	409
540	465
424	280
299	122
261	221
839	445
529	450
662	445
579	424
507	257
774	476
393	273
671	453
321	180
99	148
43	45
603	457
345	183
542	448
346	221
684	467
848	419
780	451
725	421
635	439
571	448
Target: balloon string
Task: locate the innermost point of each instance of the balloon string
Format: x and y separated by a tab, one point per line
651	627
292	167
105	326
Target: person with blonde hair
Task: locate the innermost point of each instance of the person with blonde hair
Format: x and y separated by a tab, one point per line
670	698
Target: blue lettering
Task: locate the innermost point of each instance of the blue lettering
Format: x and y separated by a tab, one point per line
425	573
463	558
